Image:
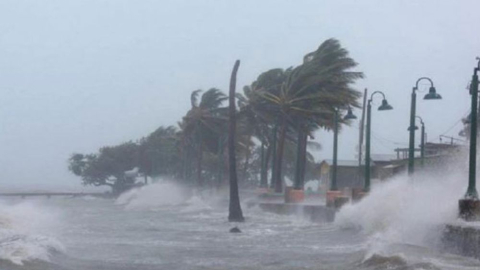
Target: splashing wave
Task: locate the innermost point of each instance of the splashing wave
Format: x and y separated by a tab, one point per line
403	210
22	233
152	196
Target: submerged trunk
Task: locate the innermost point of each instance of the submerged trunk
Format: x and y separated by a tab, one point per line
279	157
235	210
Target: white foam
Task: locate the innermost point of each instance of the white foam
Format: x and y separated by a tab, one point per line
409	211
24	232
195	204
152	196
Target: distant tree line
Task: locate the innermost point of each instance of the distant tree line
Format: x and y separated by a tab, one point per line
276	116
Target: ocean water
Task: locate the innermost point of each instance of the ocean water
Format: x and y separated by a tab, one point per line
163	226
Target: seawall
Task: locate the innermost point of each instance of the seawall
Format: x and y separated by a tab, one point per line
313	212
462	238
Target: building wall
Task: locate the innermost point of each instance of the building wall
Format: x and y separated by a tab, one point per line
347	176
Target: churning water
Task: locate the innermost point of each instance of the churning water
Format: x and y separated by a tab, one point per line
163	226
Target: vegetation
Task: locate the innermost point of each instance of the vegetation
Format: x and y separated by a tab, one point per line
277	114
107	168
235	210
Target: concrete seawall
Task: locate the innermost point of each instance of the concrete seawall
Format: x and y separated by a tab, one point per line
462	239
312	212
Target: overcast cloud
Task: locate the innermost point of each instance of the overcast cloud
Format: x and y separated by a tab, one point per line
78	75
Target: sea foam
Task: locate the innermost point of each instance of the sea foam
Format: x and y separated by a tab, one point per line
152	196
25	232
407	210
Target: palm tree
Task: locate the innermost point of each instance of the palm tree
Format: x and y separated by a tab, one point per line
235	210
258	118
310	93
251	125
202	125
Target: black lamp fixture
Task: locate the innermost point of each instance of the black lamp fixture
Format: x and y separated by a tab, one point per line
385	106
349	115
432	94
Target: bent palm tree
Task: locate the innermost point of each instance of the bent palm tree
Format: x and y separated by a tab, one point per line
234	210
203	124
259	118
309	94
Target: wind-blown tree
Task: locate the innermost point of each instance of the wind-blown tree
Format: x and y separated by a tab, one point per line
107	167
289	162
234	210
203	124
159	153
255	116
310	93
248	127
251	125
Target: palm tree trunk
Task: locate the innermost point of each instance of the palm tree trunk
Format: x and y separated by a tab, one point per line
274	153
298	164
199	162
279	158
245	166
235	210
263	166
303	160
187	161
220	162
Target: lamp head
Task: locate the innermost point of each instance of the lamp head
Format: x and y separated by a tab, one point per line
432	94
416	128
385	106
468	120
349	115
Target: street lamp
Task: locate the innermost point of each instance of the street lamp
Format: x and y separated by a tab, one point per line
334	193
432	94
422	140
384	107
472	191
348	116
470	205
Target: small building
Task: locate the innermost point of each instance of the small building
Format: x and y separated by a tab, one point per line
349	174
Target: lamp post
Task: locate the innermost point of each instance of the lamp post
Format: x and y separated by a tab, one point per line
470	205
432	94
422	142
384	107
333	193
349	116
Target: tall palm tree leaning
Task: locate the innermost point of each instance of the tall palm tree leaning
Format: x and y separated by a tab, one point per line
203	124
234	210
310	94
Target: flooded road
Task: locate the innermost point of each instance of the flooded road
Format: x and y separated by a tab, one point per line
151	229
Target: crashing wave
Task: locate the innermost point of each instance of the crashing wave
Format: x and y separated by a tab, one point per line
406	211
195	204
22	233
152	196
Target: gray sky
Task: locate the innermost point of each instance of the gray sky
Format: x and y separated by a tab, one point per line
78	75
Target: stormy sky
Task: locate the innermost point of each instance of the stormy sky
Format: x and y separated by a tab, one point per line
77	75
